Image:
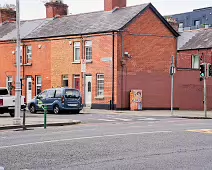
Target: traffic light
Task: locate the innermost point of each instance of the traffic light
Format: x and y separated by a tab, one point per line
202	71
209	70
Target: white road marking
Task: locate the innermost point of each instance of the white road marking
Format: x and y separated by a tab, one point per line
125	120
81	138
148	119
107	120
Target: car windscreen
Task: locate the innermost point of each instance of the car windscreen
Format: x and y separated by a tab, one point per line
71	93
3	92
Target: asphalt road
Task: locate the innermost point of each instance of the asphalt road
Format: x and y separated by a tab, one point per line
128	142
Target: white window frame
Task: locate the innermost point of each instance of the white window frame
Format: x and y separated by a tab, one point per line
76	77
88	51
181	25
99	78
28	54
9	80
76	46
195	58
64	78
38	84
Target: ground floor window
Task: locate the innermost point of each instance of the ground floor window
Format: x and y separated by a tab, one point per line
100	85
38	84
76	84
10	84
64	80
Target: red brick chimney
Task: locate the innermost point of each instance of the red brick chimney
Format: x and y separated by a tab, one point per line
111	4
55	8
7	15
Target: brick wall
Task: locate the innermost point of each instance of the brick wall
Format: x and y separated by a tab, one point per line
188	87
40	64
62	56
148	69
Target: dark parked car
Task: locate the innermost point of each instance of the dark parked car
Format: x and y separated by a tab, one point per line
57	100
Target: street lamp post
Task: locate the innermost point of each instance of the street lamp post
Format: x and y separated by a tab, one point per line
17	119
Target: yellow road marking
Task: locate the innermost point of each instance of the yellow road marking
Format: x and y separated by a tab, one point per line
207	131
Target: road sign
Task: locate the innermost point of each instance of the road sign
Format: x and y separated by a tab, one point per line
83	69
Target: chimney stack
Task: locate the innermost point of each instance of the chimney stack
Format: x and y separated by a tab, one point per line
56	7
173	23
111	4
7	14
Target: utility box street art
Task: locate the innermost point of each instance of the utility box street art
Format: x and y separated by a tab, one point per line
136	100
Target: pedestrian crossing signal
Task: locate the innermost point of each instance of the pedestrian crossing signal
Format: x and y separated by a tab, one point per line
202	71
209	70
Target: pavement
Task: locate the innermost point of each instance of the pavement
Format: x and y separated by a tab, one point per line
32	120
37	120
176	113
110	141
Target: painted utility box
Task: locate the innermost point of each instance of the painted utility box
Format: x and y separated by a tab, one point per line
136	100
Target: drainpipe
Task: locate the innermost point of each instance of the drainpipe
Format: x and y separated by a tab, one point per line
113	72
122	69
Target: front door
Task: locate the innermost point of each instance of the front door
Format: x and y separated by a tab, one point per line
88	91
29	89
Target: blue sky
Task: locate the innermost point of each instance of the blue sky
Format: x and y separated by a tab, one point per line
33	9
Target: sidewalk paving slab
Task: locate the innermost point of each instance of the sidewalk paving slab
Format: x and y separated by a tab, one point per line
165	113
7	122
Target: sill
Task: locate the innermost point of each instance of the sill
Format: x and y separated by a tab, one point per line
27	64
188	69
89	61
76	62
99	98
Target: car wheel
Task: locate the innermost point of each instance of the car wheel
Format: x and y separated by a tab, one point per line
56	109
12	114
32	108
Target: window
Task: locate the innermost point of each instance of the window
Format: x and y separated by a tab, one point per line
181	25
65	80
28	53
9	84
197	23
72	93
58	93
77	82
51	93
100	85
77	51
195	61
38	85
21	54
88	50
43	95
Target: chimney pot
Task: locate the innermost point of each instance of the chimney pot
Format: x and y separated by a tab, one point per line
110	5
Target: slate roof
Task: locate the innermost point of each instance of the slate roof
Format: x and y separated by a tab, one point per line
86	23
201	39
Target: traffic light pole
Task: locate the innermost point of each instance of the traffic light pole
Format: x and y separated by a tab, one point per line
205	94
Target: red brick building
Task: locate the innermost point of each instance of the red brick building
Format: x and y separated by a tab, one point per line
194	48
124	48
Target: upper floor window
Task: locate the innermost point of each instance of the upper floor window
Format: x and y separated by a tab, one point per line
77	51
28	54
88	50
195	61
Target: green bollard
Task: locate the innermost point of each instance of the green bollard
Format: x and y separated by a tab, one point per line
45	112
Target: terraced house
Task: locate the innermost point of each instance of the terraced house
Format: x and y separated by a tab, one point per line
124	48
